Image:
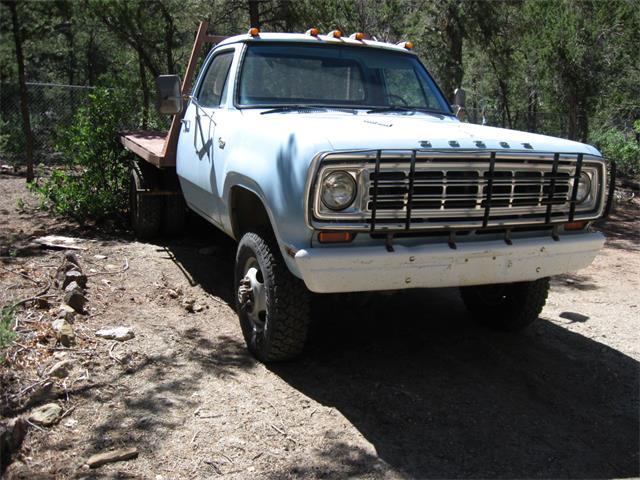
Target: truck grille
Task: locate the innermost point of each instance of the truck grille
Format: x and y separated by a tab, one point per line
463	189
414	190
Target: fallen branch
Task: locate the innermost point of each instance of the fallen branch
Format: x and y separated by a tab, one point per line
24	275
112	356
34	425
38	295
29	387
68	412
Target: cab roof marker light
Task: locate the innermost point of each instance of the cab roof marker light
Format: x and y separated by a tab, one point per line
357	36
254	32
313	32
407	45
335	34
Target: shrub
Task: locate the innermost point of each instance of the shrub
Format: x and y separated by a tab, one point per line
94	180
7	335
622	147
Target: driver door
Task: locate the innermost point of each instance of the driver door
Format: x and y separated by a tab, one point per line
197	145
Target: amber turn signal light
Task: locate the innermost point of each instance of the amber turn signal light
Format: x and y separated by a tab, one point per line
357	36
313	32
335	34
407	45
254	31
575	225
335	237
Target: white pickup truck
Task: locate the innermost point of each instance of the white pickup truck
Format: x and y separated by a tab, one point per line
338	166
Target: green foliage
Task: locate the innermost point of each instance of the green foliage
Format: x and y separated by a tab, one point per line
94	182
7	314
622	147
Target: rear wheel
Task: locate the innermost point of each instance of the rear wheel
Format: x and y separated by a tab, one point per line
508	306
272	304
145	211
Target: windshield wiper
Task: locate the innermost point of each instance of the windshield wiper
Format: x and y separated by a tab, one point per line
310	108
402	108
294	108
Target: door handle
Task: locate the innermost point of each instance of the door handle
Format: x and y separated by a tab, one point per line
186	123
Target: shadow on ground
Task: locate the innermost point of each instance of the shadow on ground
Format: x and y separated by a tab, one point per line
440	398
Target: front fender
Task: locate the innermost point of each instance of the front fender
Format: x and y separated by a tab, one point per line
275	168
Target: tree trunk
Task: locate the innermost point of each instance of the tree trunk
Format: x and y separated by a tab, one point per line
169	31
454	35
572	116
254	13
24	94
145	93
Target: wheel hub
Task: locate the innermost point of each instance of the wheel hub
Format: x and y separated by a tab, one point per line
252	296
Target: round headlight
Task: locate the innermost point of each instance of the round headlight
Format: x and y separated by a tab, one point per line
584	188
338	190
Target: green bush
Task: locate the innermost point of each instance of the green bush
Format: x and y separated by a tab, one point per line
7	335
93	183
622	147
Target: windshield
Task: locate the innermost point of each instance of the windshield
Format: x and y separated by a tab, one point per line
325	75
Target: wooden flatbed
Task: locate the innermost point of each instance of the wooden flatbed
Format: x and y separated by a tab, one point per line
149	146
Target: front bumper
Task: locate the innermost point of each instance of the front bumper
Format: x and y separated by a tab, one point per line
358	269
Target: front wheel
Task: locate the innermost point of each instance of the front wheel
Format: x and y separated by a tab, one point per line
272	304
508	306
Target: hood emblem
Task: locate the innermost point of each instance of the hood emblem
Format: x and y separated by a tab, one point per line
373	122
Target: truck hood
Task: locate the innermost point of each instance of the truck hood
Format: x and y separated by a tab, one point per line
345	131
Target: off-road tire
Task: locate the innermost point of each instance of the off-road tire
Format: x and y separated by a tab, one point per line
145	211
288	301
175	209
509	307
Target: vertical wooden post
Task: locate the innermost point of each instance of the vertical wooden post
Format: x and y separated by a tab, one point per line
171	142
24	94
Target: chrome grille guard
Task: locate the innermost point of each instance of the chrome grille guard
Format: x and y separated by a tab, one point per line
414	190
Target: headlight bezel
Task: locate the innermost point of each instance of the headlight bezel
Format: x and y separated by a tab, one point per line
585	179
350	177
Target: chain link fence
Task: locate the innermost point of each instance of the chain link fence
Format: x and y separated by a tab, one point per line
52	108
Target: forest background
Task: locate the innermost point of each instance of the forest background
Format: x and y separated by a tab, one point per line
564	68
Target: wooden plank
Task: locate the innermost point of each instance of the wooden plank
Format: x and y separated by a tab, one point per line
169	151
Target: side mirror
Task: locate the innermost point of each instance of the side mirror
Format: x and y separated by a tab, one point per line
460	100
168	95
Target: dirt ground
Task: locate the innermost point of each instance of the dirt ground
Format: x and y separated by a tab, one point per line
407	387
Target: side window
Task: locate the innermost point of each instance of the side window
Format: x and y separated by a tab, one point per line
215	79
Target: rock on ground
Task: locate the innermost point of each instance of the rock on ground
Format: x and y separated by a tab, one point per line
76	300
74	276
116	333
12	433
46	415
64	331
